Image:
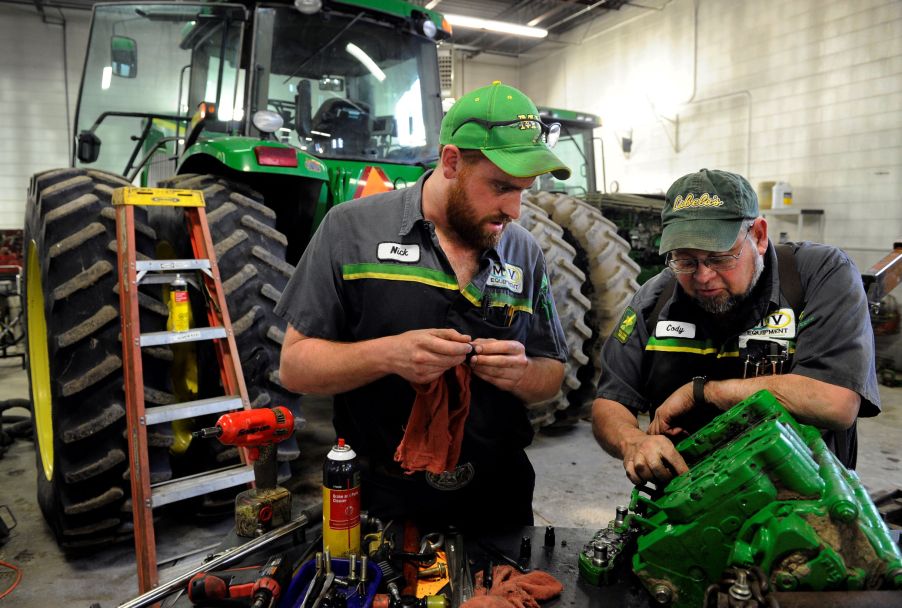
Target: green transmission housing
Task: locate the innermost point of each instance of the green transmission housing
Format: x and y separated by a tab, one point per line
763	494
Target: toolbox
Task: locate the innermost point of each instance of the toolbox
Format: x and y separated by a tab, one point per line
297	589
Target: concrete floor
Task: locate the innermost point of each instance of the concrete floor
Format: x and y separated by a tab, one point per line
577	486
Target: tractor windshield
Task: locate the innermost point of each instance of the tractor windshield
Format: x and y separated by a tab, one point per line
148	65
348	86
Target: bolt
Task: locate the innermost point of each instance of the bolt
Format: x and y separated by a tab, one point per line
601	552
662	594
352	567
620	515
740	589
436	571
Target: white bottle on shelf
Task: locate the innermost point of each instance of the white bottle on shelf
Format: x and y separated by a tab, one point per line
782	197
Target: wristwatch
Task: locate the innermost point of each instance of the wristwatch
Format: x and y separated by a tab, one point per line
698	390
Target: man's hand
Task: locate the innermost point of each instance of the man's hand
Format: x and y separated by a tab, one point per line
652	458
422	355
500	362
666	421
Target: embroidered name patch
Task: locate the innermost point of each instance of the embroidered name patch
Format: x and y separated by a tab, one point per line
778	324
674	329
398	252
508	277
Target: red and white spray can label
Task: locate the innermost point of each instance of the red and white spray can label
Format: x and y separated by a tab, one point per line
341	501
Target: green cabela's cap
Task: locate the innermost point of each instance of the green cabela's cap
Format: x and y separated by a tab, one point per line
705	210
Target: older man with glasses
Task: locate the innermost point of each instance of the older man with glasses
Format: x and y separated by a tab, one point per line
733	314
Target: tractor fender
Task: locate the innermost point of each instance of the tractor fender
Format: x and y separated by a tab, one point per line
240	154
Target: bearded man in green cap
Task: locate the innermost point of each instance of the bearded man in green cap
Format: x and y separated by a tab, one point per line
733	314
433	291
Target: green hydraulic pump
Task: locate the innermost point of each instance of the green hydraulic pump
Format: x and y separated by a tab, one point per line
764	505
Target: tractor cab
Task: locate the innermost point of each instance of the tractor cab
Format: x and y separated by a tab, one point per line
346	82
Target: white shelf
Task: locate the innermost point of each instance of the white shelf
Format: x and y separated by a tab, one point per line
817	215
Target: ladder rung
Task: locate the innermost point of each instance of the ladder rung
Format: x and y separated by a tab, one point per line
156	338
202	483
189	409
170	265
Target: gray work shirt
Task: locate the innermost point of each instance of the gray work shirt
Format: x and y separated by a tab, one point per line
374	268
829	340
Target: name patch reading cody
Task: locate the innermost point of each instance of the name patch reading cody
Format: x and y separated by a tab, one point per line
705	200
675	329
398	252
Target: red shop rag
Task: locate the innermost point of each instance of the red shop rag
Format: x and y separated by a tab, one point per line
435	428
511	589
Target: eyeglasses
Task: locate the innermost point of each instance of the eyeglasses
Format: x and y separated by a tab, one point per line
549	133
717	263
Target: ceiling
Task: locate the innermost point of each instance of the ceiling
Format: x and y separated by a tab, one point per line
556	16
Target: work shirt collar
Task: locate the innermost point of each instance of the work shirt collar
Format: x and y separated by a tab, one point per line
413	214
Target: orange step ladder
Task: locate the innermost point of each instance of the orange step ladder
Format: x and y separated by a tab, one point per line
132	273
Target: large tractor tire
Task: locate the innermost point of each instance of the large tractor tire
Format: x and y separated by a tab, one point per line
75	357
572	306
250	253
604	257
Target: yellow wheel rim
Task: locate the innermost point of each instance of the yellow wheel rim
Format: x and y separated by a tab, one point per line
39	360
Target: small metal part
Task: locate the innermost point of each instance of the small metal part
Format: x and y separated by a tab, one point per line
361	585
620	515
439	570
600	552
488	578
352	568
740	589
327	561
662	594
549	537
525	551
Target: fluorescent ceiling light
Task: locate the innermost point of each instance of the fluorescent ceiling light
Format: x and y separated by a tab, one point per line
431	4
491	25
363	58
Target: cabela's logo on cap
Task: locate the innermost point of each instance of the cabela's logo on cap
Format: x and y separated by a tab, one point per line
705	200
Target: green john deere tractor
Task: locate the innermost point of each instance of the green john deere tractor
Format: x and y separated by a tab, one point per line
276	113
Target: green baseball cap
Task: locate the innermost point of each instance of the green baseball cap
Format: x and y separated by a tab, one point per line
475	122
705	210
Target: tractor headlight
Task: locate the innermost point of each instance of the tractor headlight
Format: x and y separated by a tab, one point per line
267	121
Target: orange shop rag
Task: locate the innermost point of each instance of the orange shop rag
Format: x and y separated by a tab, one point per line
435	429
512	589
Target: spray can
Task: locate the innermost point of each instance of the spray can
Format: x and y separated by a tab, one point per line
179	305
341	501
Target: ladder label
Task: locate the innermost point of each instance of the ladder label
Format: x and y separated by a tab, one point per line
185	336
158	197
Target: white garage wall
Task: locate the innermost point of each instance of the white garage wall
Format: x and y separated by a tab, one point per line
33	107
820	80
